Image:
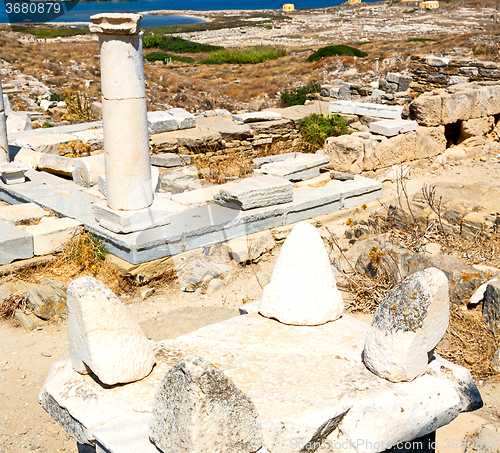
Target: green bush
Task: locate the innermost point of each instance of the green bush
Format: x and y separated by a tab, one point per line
163	56
253	55
419	40
315	129
176	44
55	97
298	96
329	51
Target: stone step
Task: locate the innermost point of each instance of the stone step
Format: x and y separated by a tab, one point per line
296	168
22	212
51	235
256	192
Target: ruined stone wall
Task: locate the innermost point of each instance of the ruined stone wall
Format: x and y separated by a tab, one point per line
262	139
460	122
430	72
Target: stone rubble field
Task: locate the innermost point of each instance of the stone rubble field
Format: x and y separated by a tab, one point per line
391	234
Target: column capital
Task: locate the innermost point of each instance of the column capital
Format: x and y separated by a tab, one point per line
116	23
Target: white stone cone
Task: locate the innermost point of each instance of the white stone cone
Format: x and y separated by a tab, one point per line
302	290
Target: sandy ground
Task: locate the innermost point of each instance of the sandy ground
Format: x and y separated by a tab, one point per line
26	357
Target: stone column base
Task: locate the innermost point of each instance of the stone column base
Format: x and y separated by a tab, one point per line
131	221
13	172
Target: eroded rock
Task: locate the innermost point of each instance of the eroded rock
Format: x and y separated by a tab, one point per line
198	409
407	326
103	338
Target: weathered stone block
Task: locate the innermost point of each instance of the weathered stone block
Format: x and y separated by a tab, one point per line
393	150
302	290
296	167
185	120
18	122
129	221
475	127
257	192
393	77
20	212
159	122
407	326
437	62
13	172
46	143
454	80
15	244
404	83
389	128
170	160
103	338
430	142
491	99
51	235
427	110
346	153
47	301
198	409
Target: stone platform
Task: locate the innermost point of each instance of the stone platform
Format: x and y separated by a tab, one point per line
299	378
191	228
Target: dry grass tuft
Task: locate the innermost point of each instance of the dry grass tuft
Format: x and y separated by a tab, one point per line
12	303
228	167
84	254
469	343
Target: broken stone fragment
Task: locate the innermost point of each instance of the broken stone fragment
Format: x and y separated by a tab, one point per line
103	338
491	306
407	326
47	301
302	290
198	409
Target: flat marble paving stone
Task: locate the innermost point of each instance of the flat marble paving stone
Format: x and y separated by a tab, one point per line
298	377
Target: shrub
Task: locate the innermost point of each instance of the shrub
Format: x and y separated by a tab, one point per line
55	97
298	96
420	40
315	129
330	51
176	44
79	107
75	148
165	57
252	55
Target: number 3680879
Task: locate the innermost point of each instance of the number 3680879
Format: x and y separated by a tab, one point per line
32	7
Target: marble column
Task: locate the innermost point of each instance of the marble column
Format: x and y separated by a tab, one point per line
4	144
129	194
126	141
